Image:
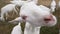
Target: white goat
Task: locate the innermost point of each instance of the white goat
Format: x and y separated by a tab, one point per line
6	9
53	5
9	8
33	14
29	29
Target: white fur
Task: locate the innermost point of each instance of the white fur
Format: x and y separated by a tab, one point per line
10	7
6	9
17	20
34	13
53	5
29	29
44	8
17	29
19	3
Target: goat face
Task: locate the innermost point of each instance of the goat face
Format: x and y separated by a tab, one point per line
38	15
42	20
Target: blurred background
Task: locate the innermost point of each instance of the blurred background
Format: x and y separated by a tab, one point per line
6	28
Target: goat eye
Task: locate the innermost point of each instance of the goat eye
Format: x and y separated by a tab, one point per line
24	17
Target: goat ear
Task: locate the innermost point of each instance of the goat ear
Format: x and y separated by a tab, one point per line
52	10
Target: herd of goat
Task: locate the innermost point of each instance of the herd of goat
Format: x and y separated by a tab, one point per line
35	16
